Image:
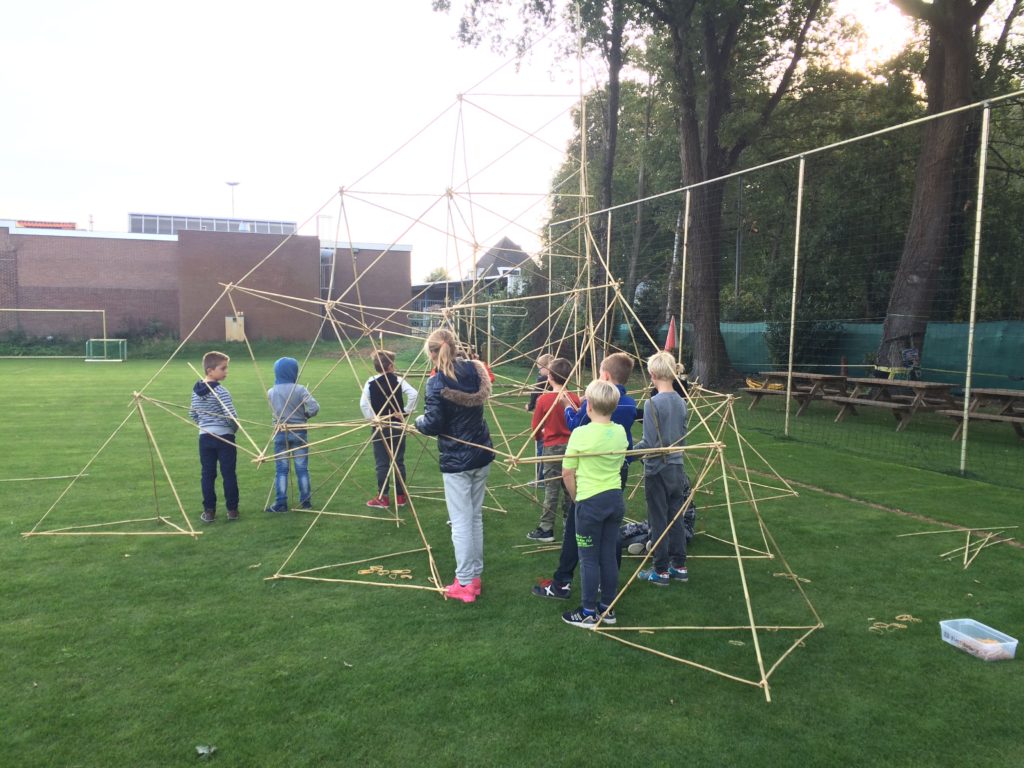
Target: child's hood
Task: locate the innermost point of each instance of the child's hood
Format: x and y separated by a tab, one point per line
203	387
470	388
286	371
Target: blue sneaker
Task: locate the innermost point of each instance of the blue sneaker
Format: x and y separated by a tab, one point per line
581	617
678	574
653	576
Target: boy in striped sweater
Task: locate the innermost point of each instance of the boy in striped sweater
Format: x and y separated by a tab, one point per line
215	414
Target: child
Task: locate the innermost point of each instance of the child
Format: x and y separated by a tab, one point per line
540	386
213	411
549	424
593	481
454	413
665	483
291	405
386	400
615	369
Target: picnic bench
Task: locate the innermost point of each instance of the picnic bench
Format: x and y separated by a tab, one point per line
805	388
892	395
1009	405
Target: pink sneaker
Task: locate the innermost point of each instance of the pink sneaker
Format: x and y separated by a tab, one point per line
477	586
380	502
464	593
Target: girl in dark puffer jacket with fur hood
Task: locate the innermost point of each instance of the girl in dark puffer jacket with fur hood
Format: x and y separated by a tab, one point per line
454	413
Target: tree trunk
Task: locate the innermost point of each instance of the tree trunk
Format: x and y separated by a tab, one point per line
926	249
613	55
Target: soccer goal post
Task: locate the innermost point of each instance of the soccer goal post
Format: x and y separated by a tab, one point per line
45	332
106	350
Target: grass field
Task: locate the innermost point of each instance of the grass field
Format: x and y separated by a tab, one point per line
136	650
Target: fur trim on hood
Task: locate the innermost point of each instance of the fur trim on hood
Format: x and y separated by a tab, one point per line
470	399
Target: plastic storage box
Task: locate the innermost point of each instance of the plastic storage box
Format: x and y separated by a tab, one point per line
978	640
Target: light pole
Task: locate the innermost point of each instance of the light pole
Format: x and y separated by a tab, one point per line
232	184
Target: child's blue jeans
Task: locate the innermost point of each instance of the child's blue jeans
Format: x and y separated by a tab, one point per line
214	450
296	443
597	535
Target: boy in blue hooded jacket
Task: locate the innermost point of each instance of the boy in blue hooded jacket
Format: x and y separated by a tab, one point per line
291	404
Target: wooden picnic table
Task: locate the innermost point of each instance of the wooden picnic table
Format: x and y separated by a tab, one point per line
806	386
892	395
1008	405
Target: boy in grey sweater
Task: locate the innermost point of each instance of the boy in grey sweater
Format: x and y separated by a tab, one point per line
291	404
665	483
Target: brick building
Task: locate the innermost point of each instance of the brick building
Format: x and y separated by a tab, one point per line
178	281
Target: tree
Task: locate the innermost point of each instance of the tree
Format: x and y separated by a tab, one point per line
723	54
438	275
950	79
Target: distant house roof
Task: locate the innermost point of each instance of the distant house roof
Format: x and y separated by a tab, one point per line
504	255
47	224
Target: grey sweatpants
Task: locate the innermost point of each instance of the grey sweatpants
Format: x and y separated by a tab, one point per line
464	495
665	491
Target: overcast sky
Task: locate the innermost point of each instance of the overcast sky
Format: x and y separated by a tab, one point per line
111	107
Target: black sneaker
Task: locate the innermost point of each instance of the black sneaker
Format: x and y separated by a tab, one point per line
608	614
539	534
307	505
552	589
232	515
278	508
581	617
208	516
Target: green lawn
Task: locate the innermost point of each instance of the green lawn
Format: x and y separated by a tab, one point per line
131	650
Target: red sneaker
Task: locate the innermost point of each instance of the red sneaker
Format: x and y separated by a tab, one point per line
458	592
401	500
380	502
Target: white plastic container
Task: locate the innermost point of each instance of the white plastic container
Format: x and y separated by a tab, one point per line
978	640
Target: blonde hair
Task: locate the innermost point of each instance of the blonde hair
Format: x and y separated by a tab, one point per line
382	360
602	397
662	365
213	359
543	360
443	346
619	367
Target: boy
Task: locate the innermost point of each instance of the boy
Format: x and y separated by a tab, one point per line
291	405
593	481
213	411
549	424
540	386
615	369
386	400
665	483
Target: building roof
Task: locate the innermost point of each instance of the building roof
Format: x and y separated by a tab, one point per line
504	255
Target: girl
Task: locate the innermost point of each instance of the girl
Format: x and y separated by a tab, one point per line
454	413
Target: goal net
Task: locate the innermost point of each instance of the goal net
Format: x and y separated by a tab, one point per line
106	350
49	332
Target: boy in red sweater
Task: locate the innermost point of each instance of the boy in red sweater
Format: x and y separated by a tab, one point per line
549	425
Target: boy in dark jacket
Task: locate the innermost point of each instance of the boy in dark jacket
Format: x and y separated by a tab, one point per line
386	400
